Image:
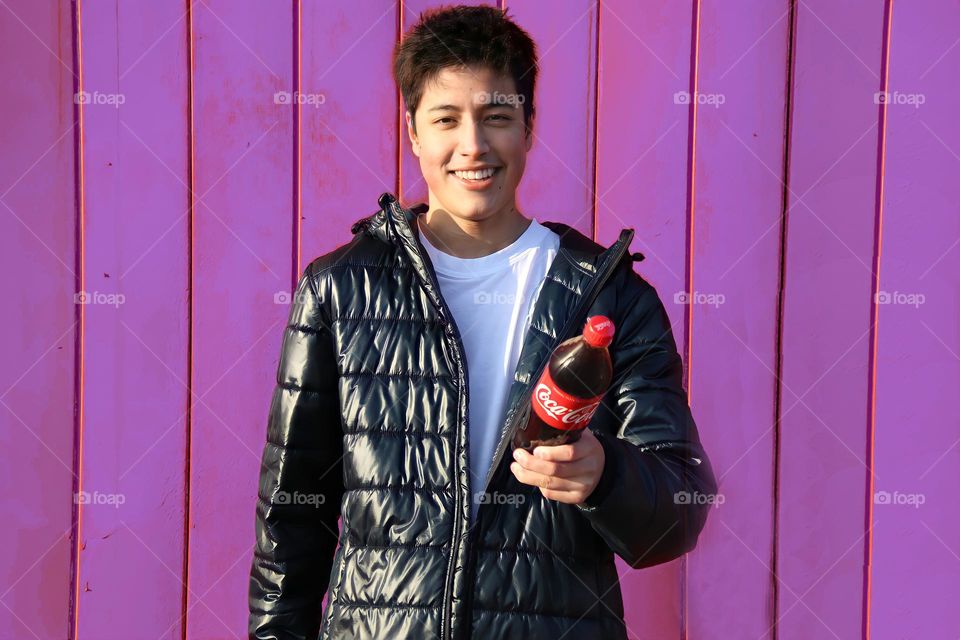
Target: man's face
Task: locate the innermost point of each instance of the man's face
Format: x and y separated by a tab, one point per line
467	120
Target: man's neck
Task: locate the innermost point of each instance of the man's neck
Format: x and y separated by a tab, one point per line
472	239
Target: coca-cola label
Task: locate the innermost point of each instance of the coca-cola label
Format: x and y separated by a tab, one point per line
561	410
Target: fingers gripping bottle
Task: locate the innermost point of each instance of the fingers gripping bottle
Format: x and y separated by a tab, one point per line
570	389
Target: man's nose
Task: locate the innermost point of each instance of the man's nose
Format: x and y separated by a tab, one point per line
473	142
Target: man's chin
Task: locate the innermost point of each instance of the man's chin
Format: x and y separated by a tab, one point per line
469	207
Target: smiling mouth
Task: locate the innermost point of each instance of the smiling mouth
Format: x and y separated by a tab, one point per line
476	177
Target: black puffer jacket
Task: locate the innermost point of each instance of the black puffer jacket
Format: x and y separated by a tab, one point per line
369	421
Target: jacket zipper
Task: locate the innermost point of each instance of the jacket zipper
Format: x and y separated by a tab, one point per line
453	332
445	621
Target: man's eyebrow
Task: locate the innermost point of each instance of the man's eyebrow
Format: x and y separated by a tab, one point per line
451	107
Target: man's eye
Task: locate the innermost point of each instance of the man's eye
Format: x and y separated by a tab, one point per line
497	117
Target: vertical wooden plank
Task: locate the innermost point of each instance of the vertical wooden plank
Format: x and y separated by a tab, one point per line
244	207
559	180
348	145
823	474
136	360
916	517
413	188
738	196
38	255
643	138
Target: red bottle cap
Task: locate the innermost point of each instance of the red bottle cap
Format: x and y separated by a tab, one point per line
599	331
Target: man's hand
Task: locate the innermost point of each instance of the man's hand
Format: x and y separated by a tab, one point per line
565	473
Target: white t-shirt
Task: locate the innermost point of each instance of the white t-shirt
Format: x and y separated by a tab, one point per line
490	298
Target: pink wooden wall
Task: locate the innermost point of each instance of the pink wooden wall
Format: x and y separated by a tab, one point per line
813	227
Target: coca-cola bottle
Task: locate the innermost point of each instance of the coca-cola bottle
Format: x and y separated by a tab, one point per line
570	388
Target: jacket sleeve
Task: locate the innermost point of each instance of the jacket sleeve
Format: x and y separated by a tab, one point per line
300	482
657	485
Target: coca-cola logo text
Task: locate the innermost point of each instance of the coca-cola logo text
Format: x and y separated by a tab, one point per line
572	417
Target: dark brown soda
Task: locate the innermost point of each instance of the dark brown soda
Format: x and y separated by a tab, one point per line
577	369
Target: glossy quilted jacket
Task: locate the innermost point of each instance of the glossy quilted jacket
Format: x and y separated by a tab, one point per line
369	422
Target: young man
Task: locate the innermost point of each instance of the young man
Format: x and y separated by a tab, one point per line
409	361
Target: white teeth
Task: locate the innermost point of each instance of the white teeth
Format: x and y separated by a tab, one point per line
475	175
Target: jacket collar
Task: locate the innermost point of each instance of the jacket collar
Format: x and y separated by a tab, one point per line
394	224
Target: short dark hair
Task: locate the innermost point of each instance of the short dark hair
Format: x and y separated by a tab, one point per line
460	37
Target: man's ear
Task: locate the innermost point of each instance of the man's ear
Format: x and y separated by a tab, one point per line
529	134
414	140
